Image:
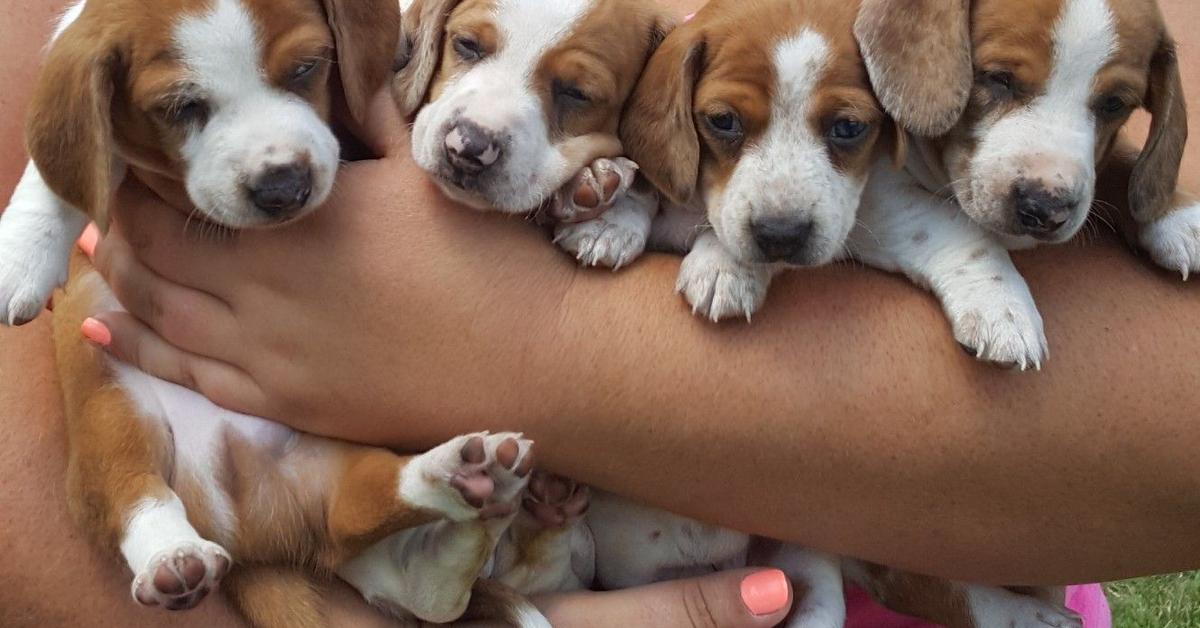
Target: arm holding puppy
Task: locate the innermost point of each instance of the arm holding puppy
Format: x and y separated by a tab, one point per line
861	417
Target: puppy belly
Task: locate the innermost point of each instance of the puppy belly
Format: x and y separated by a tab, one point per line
636	545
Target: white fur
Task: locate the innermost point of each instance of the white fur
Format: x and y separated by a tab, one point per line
253	125
156	532
497	94
1053	139
905	228
37	232
993	606
616	238
789	172
1174	240
717	285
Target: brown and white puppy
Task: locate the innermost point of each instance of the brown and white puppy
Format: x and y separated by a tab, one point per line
756	118
224	104
758	123
1043	87
517	98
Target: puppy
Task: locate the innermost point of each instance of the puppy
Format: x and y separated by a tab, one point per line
519	103
756	118
222	104
1032	96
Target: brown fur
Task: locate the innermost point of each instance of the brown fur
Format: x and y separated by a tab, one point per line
918	57
112	74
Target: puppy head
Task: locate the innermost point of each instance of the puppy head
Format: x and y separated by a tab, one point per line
1054	80
519	94
230	97
764	113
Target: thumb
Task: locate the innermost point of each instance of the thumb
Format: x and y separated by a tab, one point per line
744	598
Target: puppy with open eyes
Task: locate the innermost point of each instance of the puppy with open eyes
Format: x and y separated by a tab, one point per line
787	78
517	108
1039	91
225	106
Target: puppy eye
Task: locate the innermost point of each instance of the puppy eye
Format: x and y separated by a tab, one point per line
567	93
725	125
1000	82
187	111
468	49
303	71
1112	106
847	132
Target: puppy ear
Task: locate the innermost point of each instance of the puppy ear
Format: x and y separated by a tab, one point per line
918	55
424	25
366	33
898	143
1152	183
69	130
657	127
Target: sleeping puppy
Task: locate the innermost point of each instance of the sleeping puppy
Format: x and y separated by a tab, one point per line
761	114
1026	100
519	103
223	105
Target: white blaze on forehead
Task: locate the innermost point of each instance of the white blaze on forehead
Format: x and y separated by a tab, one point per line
789	171
221	48
1084	39
528	28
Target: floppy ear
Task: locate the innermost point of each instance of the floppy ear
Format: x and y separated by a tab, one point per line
918	55
1152	184
366	33
69	129
897	143
421	43
657	127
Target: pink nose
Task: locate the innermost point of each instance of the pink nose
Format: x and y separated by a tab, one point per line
471	149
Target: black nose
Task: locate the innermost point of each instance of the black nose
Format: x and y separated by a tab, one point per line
471	149
281	190
781	239
1039	210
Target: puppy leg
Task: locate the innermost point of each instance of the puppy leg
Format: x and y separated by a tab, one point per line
591	192
1174	239
816	581
117	492
958	604
987	301
473	484
718	286
618	235
36	234
548	548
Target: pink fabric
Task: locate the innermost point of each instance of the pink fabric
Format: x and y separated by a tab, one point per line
862	612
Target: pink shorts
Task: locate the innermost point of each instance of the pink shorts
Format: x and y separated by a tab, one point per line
862	612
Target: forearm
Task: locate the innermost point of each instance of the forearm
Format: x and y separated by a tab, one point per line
830	433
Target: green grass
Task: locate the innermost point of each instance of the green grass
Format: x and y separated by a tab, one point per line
1158	602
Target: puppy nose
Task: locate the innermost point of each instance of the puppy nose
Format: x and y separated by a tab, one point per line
470	148
781	239
1039	210
281	190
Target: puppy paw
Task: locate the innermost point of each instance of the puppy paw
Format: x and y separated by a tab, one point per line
1174	240
591	192
615	239
1000	326
27	279
554	501
717	287
476	476
181	577
997	607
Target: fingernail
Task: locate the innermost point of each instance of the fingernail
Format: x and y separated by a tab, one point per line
88	239
765	592
96	332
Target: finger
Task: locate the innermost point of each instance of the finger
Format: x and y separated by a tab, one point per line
731	599
128	340
192	320
88	239
182	248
